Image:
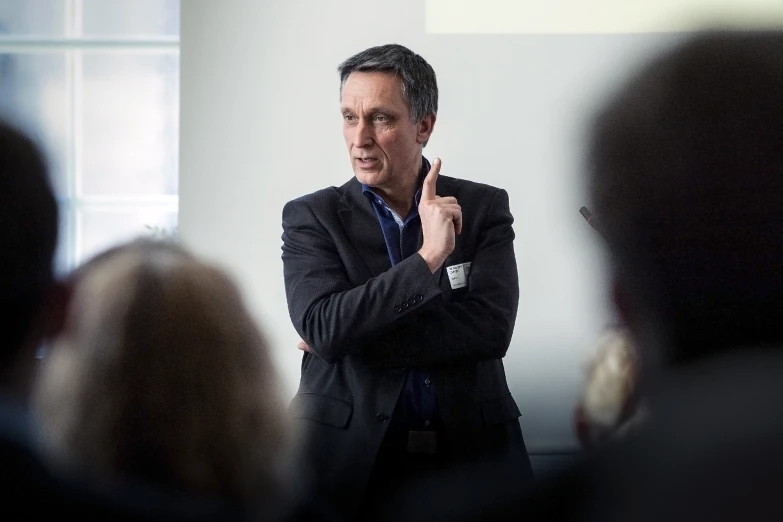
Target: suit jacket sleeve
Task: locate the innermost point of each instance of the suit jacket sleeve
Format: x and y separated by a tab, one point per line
337	319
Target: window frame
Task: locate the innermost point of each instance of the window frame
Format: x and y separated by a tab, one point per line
73	45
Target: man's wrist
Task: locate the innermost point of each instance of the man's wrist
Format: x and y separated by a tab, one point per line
433	262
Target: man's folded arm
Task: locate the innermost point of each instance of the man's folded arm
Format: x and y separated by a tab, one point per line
400	318
329	313
478	327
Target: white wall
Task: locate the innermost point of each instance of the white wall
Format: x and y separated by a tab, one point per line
597	16
260	125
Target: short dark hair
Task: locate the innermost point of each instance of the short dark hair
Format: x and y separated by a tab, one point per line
28	237
419	84
686	173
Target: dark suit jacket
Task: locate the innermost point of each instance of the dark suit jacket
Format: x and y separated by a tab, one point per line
366	322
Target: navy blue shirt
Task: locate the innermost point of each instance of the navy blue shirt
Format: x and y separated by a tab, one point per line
417	407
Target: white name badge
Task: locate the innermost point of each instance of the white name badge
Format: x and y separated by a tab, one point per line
458	275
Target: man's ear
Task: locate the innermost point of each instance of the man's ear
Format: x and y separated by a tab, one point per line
424	128
56	307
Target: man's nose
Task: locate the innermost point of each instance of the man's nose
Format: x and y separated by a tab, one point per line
363	137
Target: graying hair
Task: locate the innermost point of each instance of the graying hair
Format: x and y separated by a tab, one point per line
419	85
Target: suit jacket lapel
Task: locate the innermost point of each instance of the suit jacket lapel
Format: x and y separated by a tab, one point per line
363	230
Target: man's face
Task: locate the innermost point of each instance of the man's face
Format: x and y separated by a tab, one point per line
383	142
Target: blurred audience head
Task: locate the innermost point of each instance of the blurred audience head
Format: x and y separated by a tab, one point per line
28	237
608	407
160	375
686	176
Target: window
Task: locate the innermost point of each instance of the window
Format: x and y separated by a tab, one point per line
96	83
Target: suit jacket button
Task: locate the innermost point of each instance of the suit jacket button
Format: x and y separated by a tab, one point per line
404	305
382	417
411	301
419	297
397	308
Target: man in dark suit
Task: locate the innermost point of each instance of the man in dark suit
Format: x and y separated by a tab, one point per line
403	286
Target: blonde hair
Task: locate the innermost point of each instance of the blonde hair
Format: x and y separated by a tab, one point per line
162	375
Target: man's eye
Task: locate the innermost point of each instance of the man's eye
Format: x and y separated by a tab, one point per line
381	118
349	117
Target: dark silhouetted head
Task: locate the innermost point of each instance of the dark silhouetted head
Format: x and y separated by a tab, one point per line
28	238
686	175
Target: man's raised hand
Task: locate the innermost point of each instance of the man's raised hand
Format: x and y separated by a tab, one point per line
441	221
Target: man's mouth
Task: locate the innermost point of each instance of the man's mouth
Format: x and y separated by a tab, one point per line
367	162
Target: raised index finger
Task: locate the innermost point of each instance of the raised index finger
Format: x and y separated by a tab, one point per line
428	188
